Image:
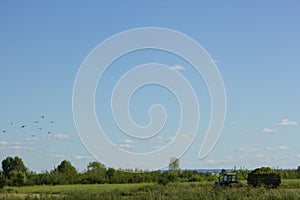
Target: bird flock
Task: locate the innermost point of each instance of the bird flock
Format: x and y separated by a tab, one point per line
37	124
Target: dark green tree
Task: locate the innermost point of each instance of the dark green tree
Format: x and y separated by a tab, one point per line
17	178
2	181
13	164
65	173
95	166
109	175
95	173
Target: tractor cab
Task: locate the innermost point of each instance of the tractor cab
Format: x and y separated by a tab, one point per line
228	179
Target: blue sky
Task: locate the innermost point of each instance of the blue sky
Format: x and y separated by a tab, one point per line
255	46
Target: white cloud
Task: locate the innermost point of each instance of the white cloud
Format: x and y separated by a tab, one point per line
16	147
177	67
80	157
244	149
3	143
128	141
277	147
124	145
161	139
286	122
268	130
32	139
62	136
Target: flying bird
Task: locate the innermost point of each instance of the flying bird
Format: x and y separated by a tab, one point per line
3	131
49	132
36	122
43	116
51	122
23	126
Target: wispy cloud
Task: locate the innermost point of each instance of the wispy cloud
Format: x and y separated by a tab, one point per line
59	137
3	143
286	122
81	157
268	130
15	145
127	143
177	67
128	146
161	139
32	138
246	149
277	147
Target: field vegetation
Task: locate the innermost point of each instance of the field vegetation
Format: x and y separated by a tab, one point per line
290	189
99	182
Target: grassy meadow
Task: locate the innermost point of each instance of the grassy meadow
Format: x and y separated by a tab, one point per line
289	189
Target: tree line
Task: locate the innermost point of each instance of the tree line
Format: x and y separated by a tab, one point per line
15	173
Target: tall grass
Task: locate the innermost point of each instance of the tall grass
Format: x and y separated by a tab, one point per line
290	189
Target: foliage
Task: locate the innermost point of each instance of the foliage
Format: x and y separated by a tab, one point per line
178	190
14	171
96	173
10	165
17	178
2	181
264	172
65	173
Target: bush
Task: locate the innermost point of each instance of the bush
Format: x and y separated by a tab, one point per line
2	181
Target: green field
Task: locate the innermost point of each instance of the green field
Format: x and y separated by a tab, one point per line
290	189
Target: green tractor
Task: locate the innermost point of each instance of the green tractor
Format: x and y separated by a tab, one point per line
229	179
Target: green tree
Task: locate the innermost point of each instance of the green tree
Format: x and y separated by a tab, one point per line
65	173
95	166
12	164
2	181
109	175
17	178
95	173
174	165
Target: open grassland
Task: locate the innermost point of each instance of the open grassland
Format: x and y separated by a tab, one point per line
290	189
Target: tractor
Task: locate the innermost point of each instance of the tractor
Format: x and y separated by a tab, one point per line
229	179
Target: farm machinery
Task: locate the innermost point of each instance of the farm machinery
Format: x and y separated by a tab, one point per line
264	176
229	179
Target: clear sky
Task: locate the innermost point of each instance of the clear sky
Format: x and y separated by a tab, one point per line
255	45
